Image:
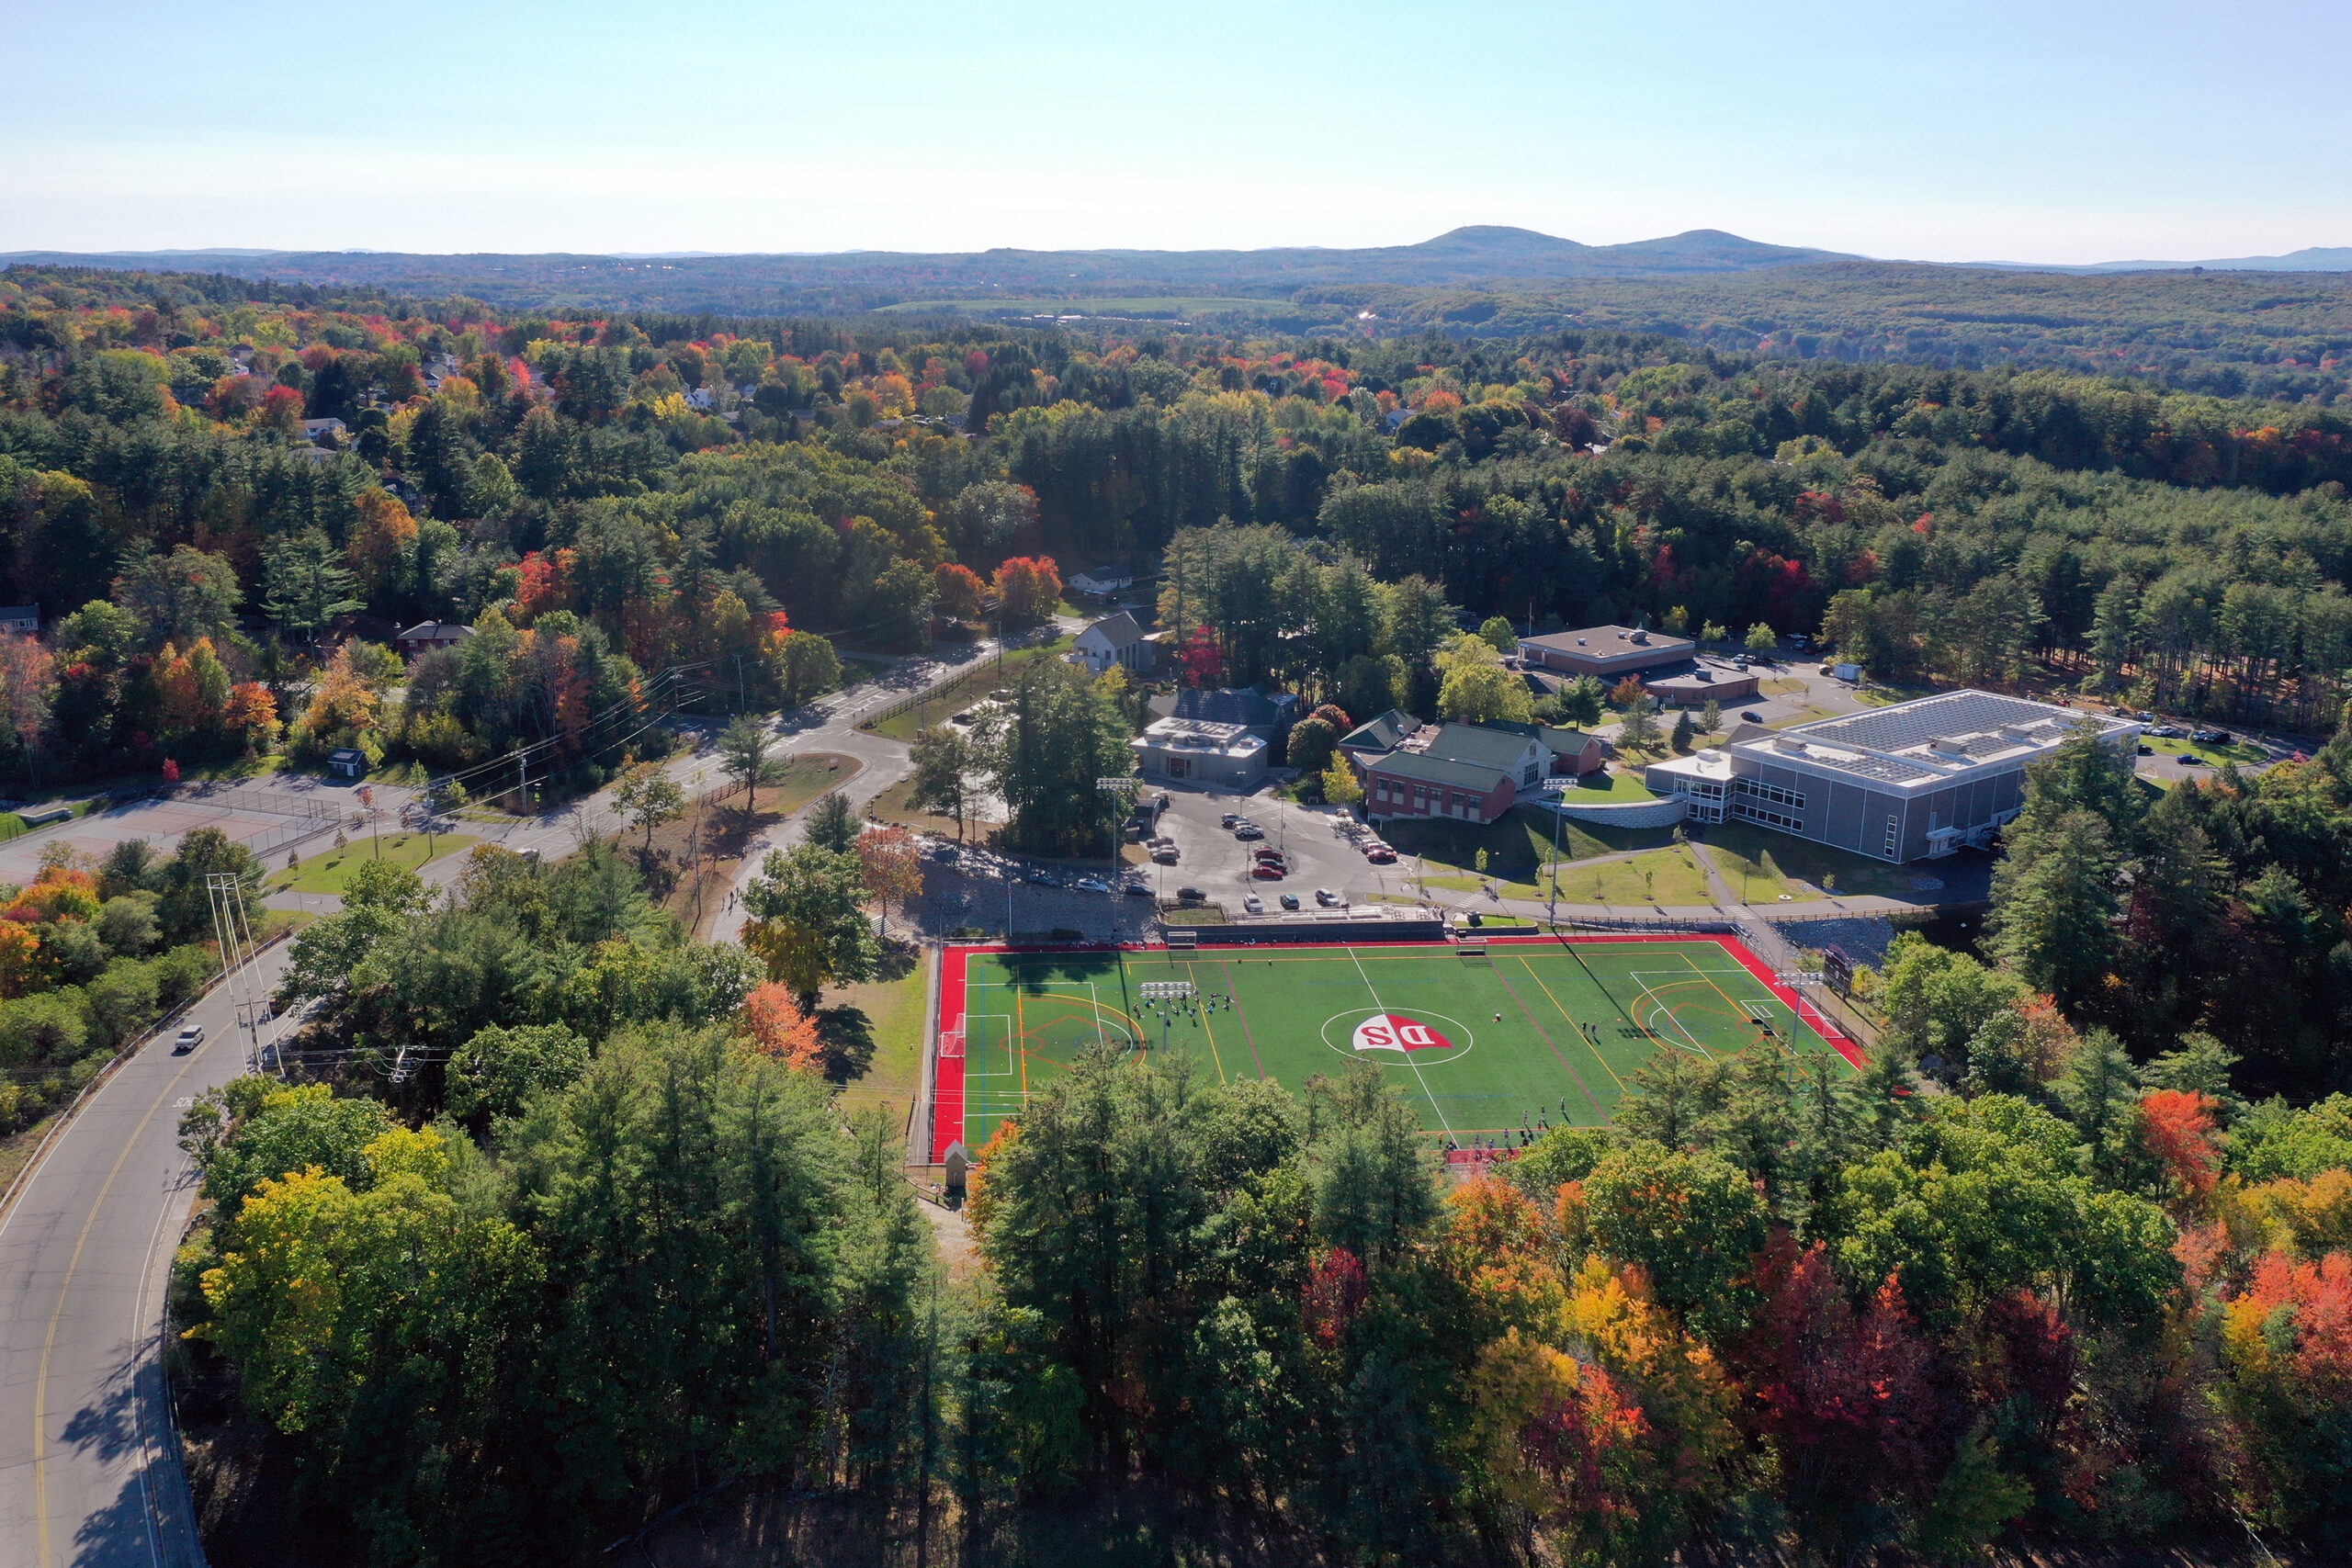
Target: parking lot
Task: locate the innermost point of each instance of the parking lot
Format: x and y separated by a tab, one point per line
979	887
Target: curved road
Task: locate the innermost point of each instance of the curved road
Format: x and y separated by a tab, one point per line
89	1471
89	1468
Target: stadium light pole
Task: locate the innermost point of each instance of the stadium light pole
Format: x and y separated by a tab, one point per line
1114	789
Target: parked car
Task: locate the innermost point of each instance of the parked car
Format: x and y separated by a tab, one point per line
1190	896
1138	889
1228	820
1752	716
2210	737
1092	885
1327	899
1038	879
2147	751
1254	904
1249	830
1290	900
188	1040
1381	854
1269	871
2165	731
2191	761
1739	662
1165	854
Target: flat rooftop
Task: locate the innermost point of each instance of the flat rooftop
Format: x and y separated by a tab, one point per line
1927	743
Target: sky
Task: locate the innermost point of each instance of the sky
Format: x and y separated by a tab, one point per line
2059	130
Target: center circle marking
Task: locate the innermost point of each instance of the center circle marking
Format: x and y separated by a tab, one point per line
1461	1036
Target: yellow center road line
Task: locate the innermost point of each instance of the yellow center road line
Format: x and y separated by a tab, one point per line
64	1286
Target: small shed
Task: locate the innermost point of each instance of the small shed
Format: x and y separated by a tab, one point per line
348	762
959	1161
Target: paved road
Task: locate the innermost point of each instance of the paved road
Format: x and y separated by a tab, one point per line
89	1471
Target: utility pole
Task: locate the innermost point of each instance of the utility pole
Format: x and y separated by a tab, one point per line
232	929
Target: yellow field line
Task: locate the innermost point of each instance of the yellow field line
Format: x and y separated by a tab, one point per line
1737	1011
1565	1013
1192	967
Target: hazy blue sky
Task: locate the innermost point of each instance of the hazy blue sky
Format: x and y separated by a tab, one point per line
2043	129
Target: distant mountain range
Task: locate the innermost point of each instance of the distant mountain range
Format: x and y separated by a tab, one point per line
2314	258
1302	286
1469	255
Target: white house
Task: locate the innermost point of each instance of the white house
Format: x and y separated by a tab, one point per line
1102	580
1114	639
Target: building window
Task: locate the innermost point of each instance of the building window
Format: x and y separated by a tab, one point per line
1893	837
1772	792
1751	813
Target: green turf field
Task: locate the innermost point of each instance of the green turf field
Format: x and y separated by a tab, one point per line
1529	1031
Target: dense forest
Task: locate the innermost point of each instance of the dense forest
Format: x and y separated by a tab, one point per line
567	1224
609	1245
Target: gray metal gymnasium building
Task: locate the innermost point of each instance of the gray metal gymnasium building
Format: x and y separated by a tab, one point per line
1912	781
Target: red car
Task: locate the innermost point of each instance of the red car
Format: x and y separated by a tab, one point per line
1271	870
1381	854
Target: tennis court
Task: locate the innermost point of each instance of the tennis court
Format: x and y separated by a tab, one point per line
1530	1031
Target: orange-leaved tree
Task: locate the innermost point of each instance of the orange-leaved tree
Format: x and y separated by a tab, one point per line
956	591
778	1028
2177	1127
379	531
1027	589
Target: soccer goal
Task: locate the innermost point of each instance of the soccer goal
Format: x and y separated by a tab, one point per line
951	1040
1470	947
1183	939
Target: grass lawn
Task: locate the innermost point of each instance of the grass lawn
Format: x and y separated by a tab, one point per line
1879	696
1605	785
1517	847
330	873
802	777
2235	752
880	1023
1747	862
692	862
1659	876
1544	1028
891	806
965	690
1791	859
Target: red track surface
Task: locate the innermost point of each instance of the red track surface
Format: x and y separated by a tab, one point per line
947	1080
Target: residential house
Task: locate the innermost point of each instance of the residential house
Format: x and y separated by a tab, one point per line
348	762
23	619
1114	639
1098	582
323	431
426	636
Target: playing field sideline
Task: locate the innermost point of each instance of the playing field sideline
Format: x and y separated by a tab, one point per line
1532	1030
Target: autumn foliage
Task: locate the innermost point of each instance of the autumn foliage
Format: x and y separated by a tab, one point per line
776	1026
1027	589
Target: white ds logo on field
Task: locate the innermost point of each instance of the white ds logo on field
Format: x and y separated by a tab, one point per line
1388	1031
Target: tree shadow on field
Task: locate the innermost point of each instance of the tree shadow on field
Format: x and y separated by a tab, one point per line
847	1035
